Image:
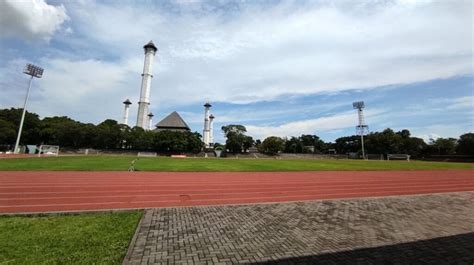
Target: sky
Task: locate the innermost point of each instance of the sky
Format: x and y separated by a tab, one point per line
282	68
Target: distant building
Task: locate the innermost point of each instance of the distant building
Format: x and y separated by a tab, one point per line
172	122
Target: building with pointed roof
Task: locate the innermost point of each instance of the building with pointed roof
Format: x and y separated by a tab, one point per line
172	122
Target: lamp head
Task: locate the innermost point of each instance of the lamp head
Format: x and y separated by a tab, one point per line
33	70
358	105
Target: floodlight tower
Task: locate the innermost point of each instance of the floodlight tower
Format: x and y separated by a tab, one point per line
206	131
211	129
362	128
150	51
150	121
33	71
126	110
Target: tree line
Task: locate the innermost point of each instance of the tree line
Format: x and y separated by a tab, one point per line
385	142
109	134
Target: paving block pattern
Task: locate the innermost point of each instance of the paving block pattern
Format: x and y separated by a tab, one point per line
427	229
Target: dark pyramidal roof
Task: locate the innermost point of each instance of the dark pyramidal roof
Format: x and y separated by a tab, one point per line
151	45
172	121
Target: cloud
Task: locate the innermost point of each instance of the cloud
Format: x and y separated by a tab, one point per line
441	130
463	103
31	19
338	121
254	53
83	89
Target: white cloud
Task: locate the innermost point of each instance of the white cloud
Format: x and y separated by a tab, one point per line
311	126
31	19
261	53
88	90
442	130
463	103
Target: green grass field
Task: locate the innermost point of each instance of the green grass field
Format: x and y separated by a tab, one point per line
94	238
121	163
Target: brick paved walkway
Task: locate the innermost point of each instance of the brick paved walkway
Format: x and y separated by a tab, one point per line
429	229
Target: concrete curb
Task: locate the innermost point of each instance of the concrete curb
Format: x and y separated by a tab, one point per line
142	227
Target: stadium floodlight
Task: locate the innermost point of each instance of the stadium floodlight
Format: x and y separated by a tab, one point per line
361	128
33	71
358	105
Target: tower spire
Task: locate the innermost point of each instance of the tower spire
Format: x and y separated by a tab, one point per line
206	131
143	104
211	130
150	121
126	110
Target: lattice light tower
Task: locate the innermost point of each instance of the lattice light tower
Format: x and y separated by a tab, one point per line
361	128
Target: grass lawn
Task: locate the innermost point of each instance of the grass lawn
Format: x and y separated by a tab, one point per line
91	238
121	163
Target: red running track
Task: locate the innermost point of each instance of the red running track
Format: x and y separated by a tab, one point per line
31	192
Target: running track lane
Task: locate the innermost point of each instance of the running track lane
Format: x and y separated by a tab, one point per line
31	192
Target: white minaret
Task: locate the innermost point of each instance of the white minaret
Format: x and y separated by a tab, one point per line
206	132
126	110
150	121
150	51
211	129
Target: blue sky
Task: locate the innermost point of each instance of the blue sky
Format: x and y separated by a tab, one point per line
278	67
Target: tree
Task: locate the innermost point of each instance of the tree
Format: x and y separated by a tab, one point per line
247	143
195	144
31	126
258	142
444	146
318	145
88	135
293	145
61	131
347	144
272	145
466	144
236	141
7	132
108	135
177	142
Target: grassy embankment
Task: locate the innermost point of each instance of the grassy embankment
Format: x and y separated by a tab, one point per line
92	238
121	163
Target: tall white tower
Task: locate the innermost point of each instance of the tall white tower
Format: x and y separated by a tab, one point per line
150	121
206	132
211	130
142	119
126	110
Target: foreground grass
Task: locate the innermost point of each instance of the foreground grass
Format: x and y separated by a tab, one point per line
96	238
121	163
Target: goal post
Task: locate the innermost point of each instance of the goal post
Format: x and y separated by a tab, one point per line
48	150
398	157
147	154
